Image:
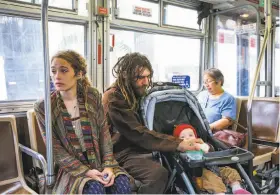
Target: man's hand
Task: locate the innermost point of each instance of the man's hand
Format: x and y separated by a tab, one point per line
193	144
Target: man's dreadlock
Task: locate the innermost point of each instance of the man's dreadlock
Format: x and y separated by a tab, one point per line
126	72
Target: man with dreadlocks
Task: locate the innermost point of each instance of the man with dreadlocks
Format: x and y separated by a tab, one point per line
131	138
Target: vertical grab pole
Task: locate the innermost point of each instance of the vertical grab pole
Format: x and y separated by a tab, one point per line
106	45
268	13
47	102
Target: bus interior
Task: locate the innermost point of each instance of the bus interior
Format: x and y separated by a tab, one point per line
180	38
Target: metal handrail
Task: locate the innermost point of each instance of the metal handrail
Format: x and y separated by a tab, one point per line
37	156
47	102
257	72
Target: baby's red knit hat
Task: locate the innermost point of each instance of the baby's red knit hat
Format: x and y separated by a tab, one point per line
179	128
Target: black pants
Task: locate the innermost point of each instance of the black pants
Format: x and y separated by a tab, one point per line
151	174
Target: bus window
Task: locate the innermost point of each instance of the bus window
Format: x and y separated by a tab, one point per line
21	57
65	4
82	7
173	13
66	36
235	53
169	55
28	1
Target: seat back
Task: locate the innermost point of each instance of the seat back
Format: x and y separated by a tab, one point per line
36	140
9	153
265	121
11	177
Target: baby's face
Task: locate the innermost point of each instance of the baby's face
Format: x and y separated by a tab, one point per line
187	134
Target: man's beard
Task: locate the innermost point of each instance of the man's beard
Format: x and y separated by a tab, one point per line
140	91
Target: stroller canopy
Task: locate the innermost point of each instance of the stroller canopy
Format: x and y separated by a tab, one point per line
167	105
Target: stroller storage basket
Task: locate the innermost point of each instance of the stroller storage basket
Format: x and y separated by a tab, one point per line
225	157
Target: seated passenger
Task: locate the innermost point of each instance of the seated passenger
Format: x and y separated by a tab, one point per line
209	180
82	145
218	105
121	102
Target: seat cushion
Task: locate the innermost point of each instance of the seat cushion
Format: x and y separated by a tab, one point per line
13	188
259	150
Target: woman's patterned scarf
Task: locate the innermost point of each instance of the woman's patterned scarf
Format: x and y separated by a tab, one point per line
86	130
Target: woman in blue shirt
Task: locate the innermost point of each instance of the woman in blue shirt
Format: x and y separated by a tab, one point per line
219	108
218	105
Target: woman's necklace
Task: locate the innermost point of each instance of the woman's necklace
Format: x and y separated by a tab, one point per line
75	118
72	107
74	111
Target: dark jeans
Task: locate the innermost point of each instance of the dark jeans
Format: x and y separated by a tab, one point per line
121	186
151	174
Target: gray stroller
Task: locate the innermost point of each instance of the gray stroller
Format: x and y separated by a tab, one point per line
167	105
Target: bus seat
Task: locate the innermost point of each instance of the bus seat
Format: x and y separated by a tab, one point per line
265	121
11	177
238	107
36	141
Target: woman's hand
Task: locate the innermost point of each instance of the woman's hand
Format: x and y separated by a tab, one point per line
108	176
96	175
193	144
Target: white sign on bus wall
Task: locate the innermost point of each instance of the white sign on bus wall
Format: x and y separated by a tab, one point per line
247	28
142	11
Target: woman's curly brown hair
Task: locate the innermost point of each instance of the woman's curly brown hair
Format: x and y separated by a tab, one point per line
77	62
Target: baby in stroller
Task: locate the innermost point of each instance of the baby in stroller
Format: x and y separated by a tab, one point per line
210	181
